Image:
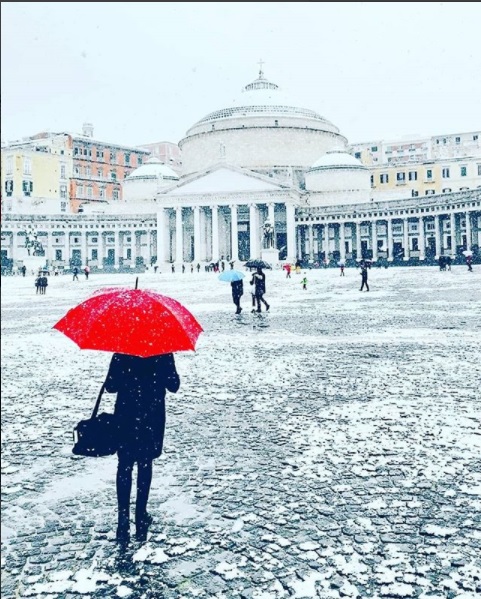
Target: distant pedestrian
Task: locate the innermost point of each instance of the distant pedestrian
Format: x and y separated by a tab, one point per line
259	282
87	272
231	264
192	267
288	270
55	272
183	268
222	265
43	284
24	270
75	274
198	267
364	277
173	267
304	281
237	293
37	285
341	266
156	266
469	263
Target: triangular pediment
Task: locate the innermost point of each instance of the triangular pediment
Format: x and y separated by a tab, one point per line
223	179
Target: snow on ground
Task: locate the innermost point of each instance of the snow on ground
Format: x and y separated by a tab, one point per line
328	448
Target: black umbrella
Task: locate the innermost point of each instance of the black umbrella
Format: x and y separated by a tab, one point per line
257	264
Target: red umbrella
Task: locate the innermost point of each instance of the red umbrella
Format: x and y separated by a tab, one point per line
138	322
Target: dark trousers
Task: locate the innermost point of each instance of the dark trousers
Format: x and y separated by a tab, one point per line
260	299
364	283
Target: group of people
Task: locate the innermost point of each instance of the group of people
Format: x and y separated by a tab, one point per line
258	283
41	283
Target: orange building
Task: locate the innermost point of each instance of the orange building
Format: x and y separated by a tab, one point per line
99	168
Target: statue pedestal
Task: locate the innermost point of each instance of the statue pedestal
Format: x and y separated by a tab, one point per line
271	256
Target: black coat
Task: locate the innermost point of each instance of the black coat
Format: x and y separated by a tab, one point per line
140	384
259	282
237	289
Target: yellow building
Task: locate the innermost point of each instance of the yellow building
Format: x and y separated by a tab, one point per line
429	177
35	180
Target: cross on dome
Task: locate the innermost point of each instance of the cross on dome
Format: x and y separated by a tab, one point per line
261	72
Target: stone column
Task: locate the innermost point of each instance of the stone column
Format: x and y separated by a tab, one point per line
67	248
85	248
48	249
468	231
14	253
215	233
326	242
406	239
100	249
179	236
374	239
253	232
117	248
342	241
358	241
162	237
133	247
310	230
453	235
291	232
197	257
234	233
422	239
437	236
390	245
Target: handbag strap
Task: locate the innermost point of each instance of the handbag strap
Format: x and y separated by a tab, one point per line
97	403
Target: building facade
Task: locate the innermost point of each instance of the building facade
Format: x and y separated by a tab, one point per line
264	158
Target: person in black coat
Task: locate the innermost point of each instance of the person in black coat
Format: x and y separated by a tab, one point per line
140	384
237	293
259	282
364	277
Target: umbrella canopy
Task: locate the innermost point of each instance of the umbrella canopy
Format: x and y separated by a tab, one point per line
257	264
231	275
138	322
467	253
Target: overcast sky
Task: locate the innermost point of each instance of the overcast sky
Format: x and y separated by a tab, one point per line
144	72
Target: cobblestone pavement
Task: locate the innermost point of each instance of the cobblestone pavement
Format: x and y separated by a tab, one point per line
329	448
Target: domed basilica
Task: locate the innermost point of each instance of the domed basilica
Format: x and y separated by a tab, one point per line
261	161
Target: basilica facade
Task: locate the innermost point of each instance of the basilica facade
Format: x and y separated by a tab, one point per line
261	159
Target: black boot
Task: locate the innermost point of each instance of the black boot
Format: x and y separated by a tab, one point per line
142	525
123	530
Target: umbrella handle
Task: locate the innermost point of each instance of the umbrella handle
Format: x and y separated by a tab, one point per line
137	283
97	404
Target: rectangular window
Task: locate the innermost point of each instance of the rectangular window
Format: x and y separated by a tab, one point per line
374	149
446	173
75	152
63	192
115	194
397	228
95	239
384	178
429	192
475	138
372	180
430	226
89	192
9	187
414	193
479	170
102	193
458	140
99	173
95	254
113	156
413	175
357	155
27	166
63	171
88	171
400	177
76	170
9	165
63	208
27	188
464	171
127	158
429	174
113	175
80	190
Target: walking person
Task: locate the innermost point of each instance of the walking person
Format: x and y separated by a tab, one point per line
288	271
304	281
87	272
341	266
24	270
259	282
237	293
38	285
75	274
43	284
141	385
173	267
364	277
469	263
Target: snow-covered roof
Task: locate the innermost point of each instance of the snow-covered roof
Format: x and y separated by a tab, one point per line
262	97
153	168
337	159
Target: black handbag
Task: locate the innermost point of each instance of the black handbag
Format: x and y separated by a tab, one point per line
98	435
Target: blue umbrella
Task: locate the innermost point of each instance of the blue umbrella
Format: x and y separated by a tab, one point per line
231	275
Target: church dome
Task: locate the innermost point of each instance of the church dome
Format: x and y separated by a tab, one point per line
153	168
262	130
338	178
337	159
